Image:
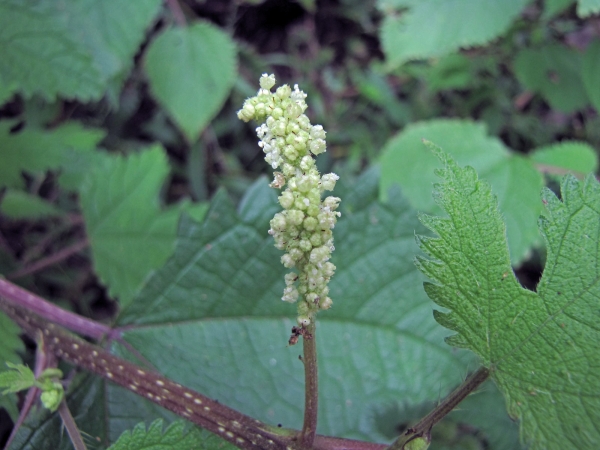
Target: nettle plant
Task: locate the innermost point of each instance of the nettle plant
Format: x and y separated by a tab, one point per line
206	335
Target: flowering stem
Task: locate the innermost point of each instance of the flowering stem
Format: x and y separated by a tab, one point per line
311	387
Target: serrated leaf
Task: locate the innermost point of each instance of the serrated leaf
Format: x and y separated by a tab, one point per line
17	378
41	56
191	71
590	69
129	235
75	49
588	7
405	161
173	438
112	32
35	150
19	205
542	348
554	71
576	157
431	28
10	342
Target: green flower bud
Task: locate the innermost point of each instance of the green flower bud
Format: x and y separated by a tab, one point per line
303	321
283	92
267	81
325	303
247	112
317	146
310	223
295	217
286	200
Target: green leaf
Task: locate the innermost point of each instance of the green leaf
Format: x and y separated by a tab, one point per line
174	438
129	235
112	32
588	7
576	157
554	7
21	205
541	347
72	49
17	378
414	29
589	72
10	342
191	71
554	71
513	178
41	56
34	150
220	293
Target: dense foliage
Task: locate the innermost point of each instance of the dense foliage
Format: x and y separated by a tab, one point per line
131	194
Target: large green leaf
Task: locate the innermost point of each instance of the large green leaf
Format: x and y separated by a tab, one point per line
542	348
407	162
191	71
72	49
35	150
554	71
220	293
129	235
430	28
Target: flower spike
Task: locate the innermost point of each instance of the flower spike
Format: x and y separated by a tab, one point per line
303	228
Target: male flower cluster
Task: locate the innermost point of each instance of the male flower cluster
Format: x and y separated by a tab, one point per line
303	228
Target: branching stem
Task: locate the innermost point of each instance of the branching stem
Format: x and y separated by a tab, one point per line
311	387
233	426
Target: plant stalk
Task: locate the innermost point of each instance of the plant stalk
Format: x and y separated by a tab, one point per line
311	387
423	427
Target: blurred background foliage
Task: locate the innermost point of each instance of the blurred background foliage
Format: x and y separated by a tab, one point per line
512	88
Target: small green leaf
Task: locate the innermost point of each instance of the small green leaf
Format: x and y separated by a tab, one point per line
554	71
191	71
20	377
22	205
35	150
175	437
541	347
414	29
128	233
576	157
589	72
588	7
